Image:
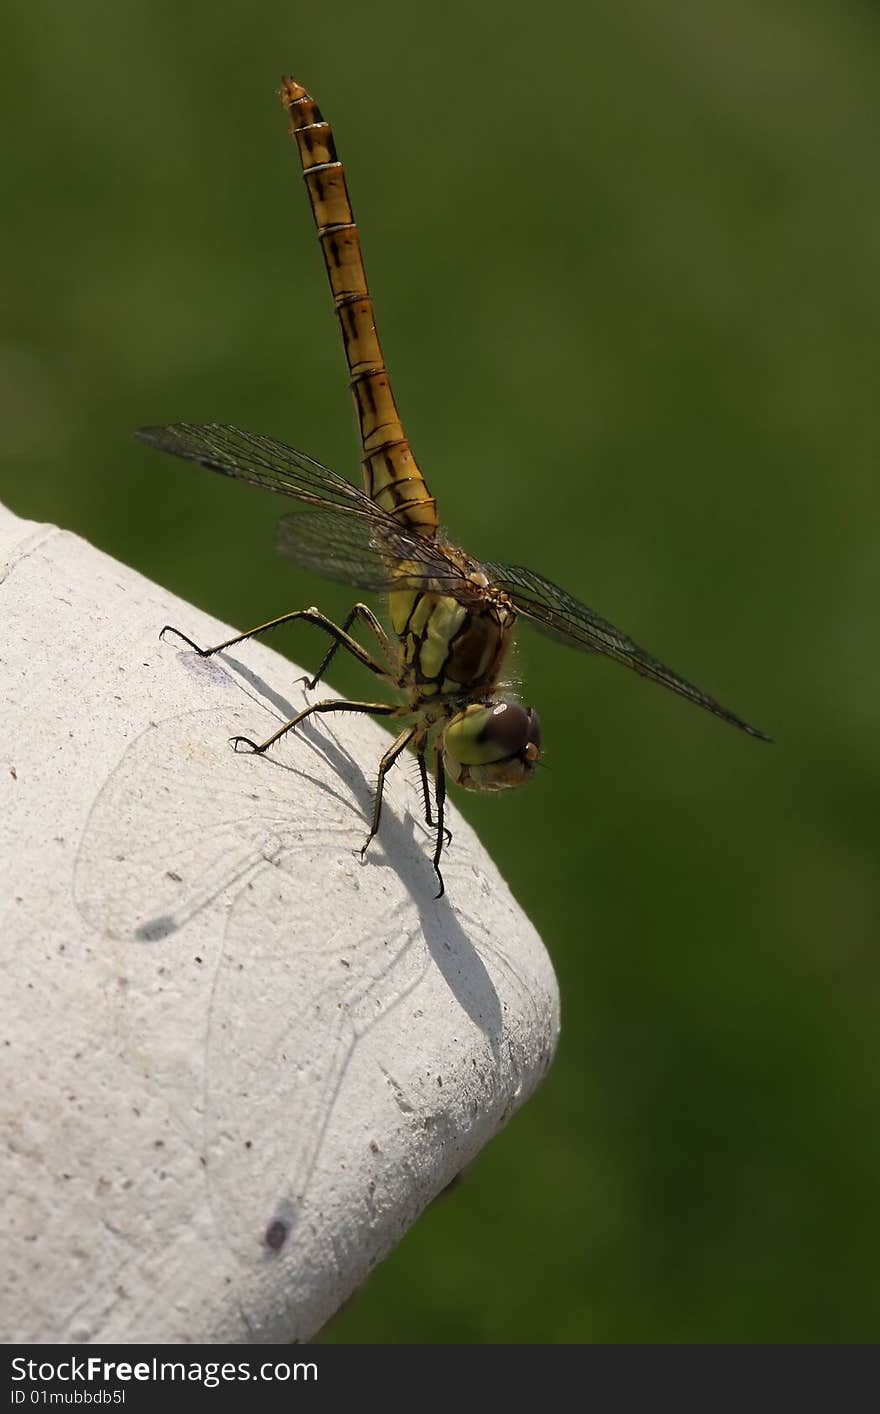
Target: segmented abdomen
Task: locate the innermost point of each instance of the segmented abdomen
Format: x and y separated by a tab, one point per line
391	474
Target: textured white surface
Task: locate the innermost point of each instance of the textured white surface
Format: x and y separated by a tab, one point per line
218	1024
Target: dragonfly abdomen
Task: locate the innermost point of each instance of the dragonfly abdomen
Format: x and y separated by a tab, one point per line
391	474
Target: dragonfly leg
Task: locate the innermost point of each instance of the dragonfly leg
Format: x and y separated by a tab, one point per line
335	704
440	795
360	611
397	746
426	793
229	642
310	616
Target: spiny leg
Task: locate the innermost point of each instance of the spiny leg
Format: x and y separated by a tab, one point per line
426	792
359	611
397	746
310	616
440	793
239	638
373	709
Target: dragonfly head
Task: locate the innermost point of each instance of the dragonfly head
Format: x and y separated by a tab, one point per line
492	746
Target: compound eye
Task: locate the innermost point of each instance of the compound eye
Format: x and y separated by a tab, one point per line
512	729
492	746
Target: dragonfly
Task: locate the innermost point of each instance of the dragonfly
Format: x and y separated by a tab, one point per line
452	617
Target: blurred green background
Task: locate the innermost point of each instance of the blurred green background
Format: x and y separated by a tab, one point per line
625	258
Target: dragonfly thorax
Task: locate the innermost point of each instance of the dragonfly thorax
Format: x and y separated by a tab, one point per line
452	650
492	746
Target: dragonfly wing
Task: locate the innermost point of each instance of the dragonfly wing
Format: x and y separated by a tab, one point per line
260	461
336	530
338	547
558	613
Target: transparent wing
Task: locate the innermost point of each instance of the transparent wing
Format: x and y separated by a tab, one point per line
564	617
340	548
260	461
336	531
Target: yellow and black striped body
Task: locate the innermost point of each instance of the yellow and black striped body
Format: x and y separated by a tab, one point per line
452	649
391	475
451	653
